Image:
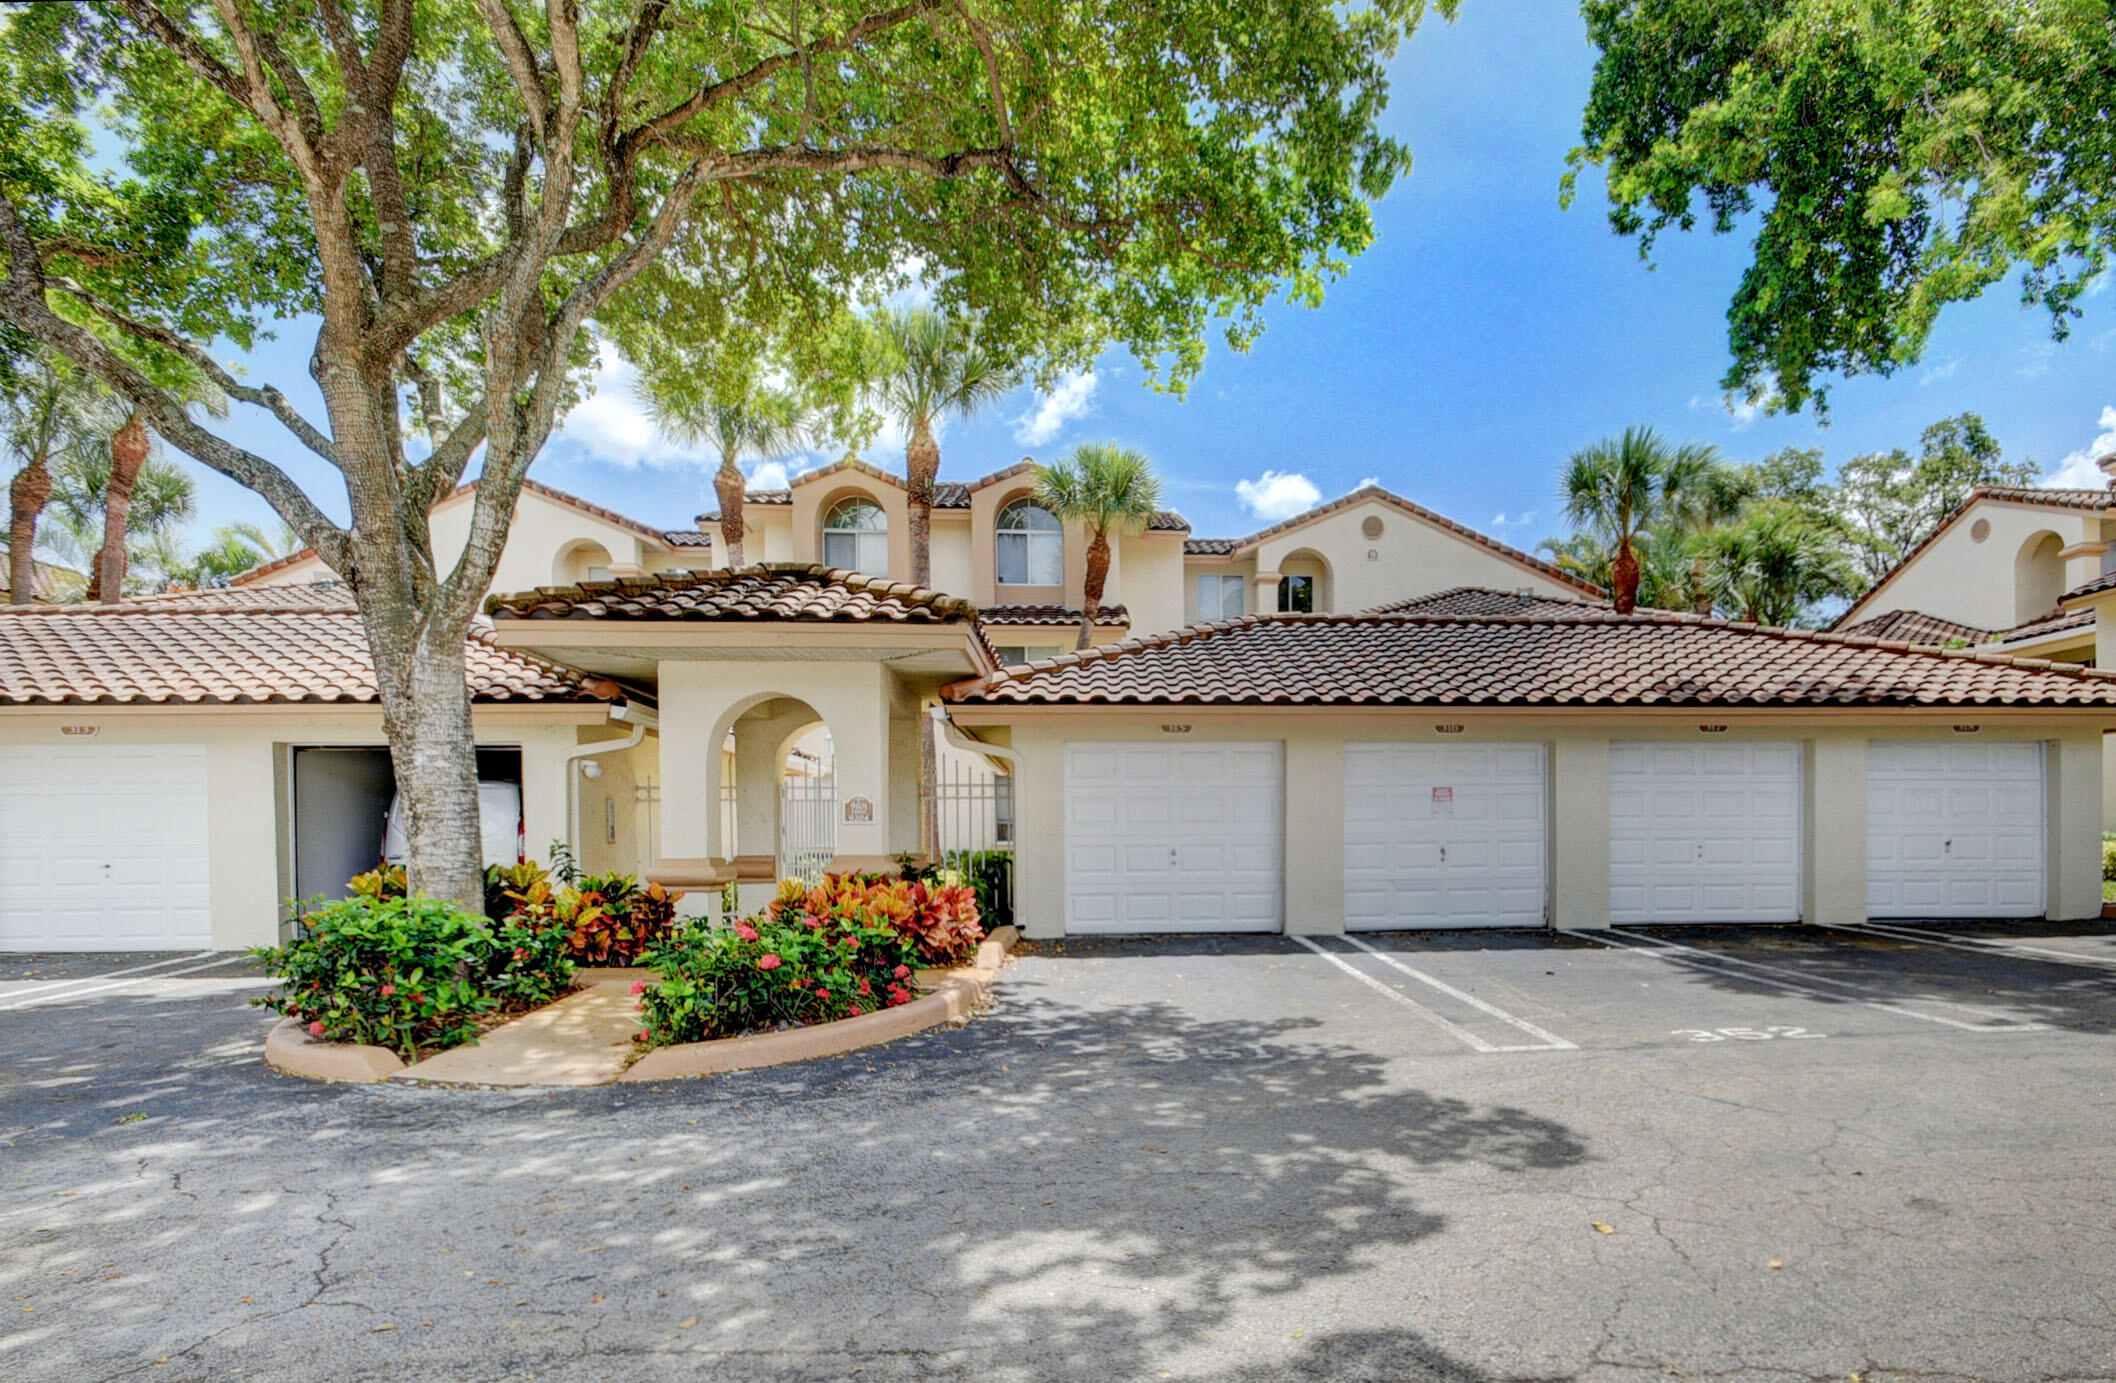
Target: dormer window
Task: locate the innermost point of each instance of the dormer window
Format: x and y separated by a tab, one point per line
1031	546
856	537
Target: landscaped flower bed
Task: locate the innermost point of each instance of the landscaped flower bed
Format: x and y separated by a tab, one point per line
846	947
413	975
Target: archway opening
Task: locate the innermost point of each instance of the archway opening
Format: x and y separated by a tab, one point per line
2038	577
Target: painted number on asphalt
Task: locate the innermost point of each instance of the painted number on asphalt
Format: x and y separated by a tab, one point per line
1742	1034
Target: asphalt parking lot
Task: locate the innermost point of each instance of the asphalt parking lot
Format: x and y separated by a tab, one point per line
1761	1153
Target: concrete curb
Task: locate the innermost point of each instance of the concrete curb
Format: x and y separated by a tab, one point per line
289	1048
959	994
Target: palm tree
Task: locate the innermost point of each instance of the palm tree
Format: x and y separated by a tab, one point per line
1619	487
48	410
931	366
159	504
1105	487
1665	565
1699	493
234	549
758	422
1775	562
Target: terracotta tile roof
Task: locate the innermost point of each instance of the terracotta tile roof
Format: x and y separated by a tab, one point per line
947	494
2005	494
1916	626
1587	659
687	537
171	654
2104	582
1225	547
800	592
1464	601
2056	622
1050	615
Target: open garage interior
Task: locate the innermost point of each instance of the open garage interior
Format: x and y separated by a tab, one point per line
341	806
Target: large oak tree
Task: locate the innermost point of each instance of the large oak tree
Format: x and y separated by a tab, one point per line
458	194
1890	158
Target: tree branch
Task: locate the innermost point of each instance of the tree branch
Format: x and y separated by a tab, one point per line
23	302
521	62
265	396
706	97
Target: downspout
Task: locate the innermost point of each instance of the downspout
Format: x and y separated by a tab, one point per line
956	737
641	719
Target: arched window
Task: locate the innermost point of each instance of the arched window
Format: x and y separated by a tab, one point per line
1031	546
856	537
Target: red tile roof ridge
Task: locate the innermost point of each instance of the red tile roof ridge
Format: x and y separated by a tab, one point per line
1641	618
938	602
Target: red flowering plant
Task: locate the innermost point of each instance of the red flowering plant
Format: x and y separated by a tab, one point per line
393	972
779	969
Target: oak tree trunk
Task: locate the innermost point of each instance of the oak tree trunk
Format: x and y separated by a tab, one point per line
1623	578
129	448
27	495
921	471
1091	590
425	694
732	489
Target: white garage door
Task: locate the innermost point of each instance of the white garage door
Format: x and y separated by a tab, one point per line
103	848
1704	833
1167	838
1954	830
1443	836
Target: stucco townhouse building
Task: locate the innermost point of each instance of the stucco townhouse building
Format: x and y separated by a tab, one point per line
1367	716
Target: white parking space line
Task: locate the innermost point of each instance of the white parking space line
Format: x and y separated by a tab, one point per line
50	986
1756	972
1451	1028
1978	945
1548	1040
33	1000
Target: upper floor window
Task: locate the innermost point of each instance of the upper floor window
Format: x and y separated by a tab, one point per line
856	537
1031	546
1296	594
1219	597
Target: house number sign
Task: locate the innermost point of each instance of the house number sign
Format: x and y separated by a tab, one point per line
79	729
859	809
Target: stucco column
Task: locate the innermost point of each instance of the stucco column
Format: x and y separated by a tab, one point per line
1579	832
1315	836
1833	830
691	705
1264	594
854	699
2074	816
1039	833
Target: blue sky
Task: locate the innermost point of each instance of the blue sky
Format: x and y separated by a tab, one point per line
1485	336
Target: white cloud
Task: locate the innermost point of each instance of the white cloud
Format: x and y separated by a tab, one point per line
1371	482
1073	398
1277	494
2078	471
1502	520
1743	412
611	425
1944	370
769	475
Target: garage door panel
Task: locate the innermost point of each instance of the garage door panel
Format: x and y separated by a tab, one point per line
1174	839
104	847
1955	830
1704	833
1444	835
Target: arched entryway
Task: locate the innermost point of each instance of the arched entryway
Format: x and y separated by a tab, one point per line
778	806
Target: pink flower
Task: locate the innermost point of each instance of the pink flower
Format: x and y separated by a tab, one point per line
815	924
768	962
901	972
389	991
854	1010
864	989
316	1028
639	986
746	932
641	1036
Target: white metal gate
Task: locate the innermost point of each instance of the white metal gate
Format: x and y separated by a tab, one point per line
808	826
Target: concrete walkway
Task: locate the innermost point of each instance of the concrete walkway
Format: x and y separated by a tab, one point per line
584	1039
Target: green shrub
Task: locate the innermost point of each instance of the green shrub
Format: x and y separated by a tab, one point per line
764	973
937	920
411	974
